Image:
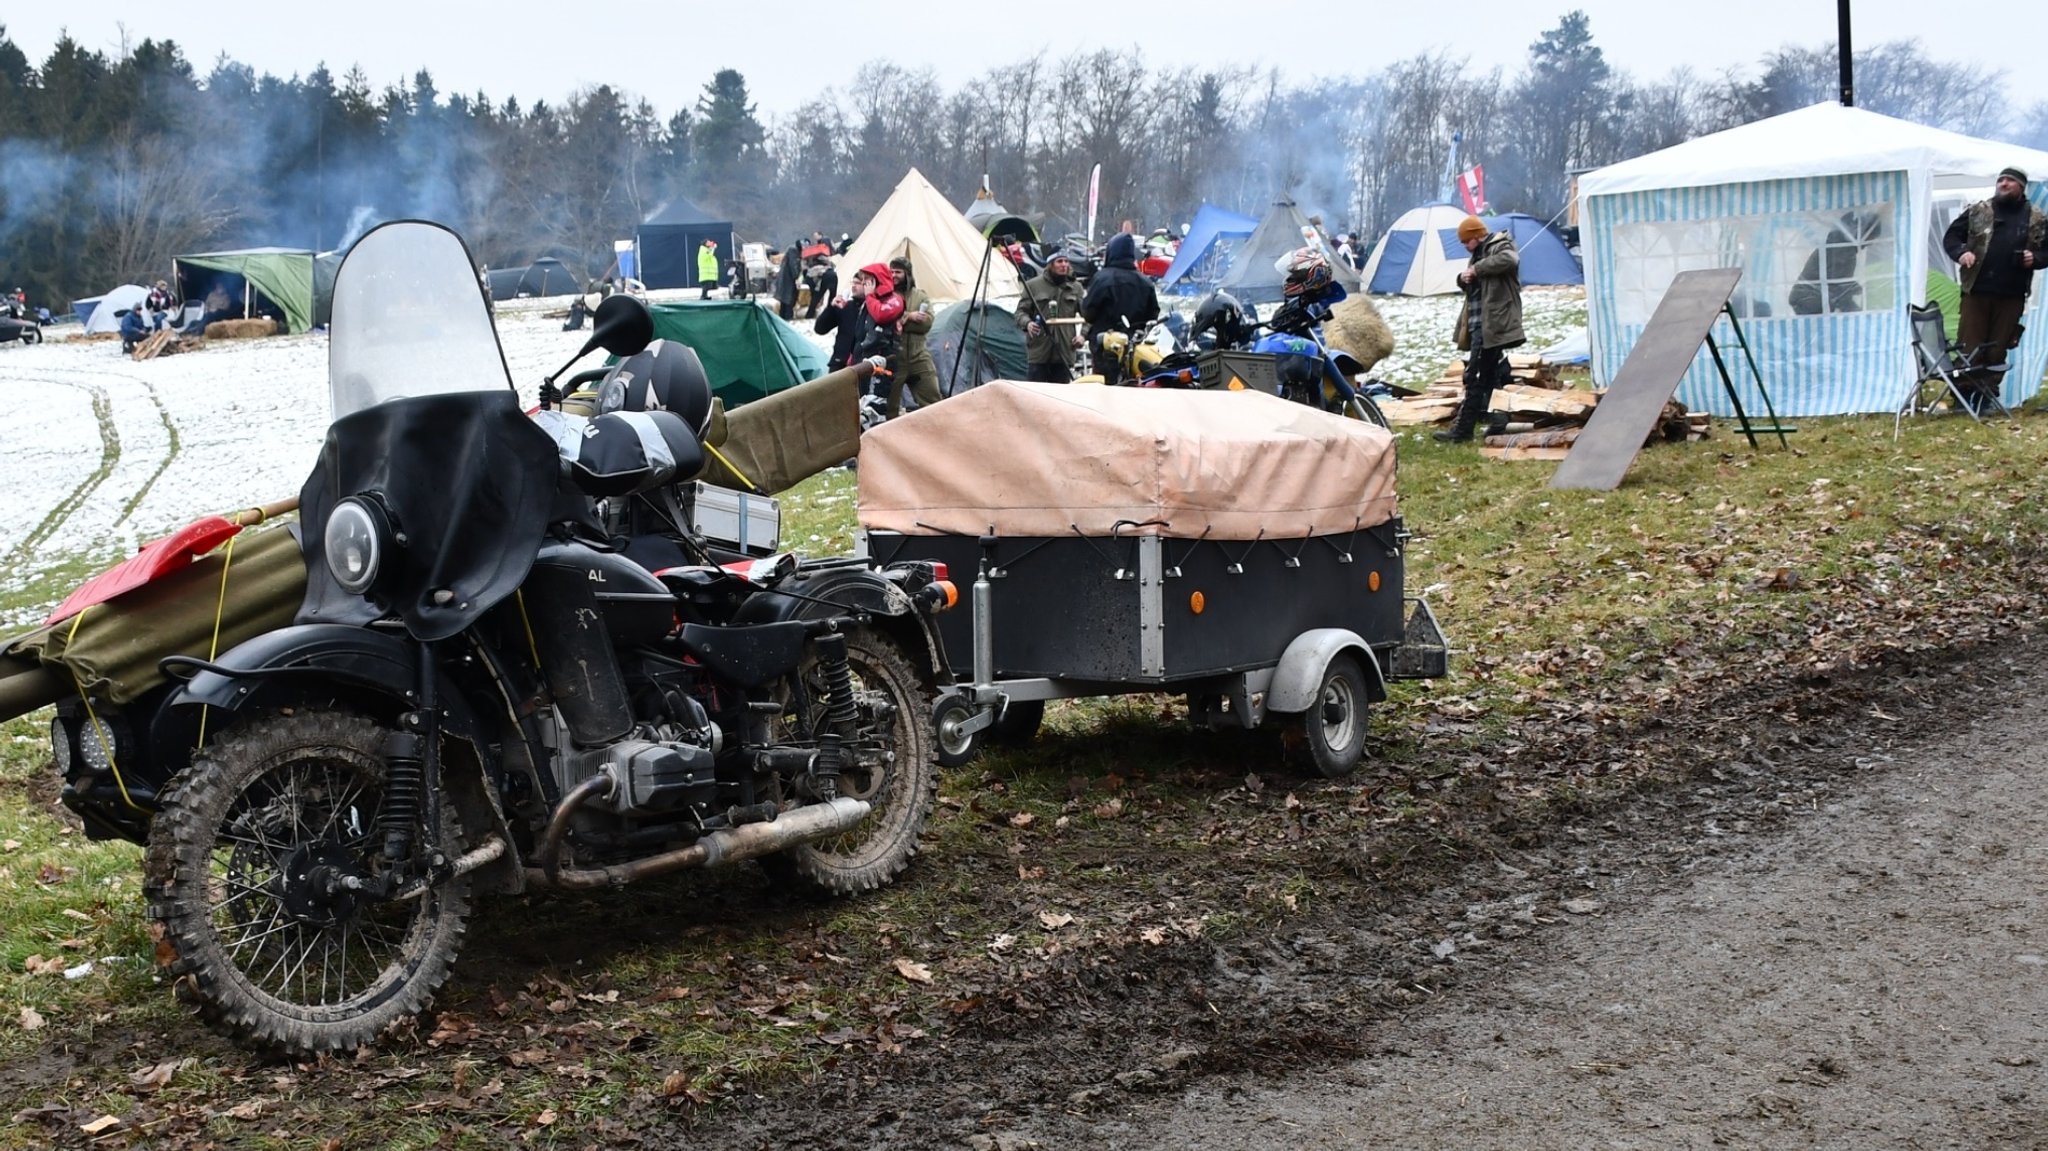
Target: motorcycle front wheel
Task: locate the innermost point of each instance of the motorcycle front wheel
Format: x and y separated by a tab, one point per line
243	872
892	764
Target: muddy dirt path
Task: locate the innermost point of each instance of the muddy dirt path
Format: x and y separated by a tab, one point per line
1826	930
1876	976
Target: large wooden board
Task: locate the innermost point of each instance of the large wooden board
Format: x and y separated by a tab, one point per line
1647	380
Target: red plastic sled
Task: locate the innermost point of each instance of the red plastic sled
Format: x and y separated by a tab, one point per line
158	558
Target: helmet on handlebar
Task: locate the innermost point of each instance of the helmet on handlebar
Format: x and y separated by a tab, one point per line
1308	272
668	376
1220	316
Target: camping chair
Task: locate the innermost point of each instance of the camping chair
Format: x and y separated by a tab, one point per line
1936	361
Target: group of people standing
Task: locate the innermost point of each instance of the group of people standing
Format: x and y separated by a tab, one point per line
1055	309
884	317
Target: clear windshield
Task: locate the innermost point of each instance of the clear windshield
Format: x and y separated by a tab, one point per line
409	320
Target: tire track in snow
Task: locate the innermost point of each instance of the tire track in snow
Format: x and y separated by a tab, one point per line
110	455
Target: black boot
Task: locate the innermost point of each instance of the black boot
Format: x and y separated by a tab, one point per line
1469	411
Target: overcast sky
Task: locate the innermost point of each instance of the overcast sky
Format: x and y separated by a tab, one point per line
666	52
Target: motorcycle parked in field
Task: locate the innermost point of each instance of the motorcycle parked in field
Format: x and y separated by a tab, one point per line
478	694
1306	369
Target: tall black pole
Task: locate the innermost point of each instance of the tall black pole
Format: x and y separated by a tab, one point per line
1848	59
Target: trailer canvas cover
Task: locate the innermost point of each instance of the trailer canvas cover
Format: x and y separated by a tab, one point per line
1063	459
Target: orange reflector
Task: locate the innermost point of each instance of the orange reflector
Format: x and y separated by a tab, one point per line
1197	602
1236	385
1372	581
953	589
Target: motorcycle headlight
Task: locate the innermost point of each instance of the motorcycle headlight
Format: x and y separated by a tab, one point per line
358	537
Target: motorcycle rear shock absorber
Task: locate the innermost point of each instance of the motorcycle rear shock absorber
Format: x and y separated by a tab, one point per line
841	717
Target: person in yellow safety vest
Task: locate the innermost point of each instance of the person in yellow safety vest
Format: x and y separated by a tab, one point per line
707	268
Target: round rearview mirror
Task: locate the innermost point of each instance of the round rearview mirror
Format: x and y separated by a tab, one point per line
622	326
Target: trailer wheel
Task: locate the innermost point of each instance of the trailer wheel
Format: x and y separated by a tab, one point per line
1333	728
954	748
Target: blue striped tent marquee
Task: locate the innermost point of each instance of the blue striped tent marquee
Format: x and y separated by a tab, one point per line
1827	211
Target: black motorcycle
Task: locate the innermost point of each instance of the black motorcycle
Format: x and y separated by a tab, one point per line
482	693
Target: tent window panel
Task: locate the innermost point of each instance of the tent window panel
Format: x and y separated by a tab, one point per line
1649	255
1453	247
1839	261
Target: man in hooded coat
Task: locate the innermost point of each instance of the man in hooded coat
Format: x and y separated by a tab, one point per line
1119	299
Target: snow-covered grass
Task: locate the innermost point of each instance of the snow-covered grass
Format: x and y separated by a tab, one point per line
104	454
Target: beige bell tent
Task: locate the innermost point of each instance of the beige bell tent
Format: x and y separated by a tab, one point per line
945	250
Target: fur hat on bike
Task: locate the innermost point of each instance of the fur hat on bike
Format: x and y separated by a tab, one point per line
1471	228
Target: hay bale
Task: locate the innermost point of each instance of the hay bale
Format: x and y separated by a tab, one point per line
1356	327
241	329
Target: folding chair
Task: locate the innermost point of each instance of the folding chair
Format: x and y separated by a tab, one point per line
1939	362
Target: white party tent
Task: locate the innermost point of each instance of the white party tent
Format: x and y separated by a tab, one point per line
1834	215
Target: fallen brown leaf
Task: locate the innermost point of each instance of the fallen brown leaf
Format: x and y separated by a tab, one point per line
1054	920
1023	819
159	1075
545	1119
30	1020
913	971
103	1123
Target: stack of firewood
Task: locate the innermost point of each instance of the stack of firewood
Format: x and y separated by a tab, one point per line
1536	415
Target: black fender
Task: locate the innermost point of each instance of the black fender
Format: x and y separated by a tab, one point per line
366	665
852	590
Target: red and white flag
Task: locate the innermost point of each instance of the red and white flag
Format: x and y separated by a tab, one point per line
1472	189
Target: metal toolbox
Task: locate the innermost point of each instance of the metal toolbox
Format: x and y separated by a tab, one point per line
739	521
1254	371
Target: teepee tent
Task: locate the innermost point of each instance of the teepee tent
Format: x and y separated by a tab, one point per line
946	253
1255	275
1420	255
1828	211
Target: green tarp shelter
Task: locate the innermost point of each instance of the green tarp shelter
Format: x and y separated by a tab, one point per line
281	277
973	343
748	351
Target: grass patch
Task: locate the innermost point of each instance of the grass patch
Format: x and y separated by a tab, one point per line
1713	566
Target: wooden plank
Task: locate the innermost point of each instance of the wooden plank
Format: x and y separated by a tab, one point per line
1523	455
1541	438
1409	413
153	344
1517	398
1647	379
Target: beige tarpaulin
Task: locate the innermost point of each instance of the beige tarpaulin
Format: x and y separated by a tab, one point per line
945	251
1056	459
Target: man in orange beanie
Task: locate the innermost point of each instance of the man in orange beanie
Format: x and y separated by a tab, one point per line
1490	322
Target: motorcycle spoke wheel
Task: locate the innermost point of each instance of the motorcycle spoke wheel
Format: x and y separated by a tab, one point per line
893	766
242	873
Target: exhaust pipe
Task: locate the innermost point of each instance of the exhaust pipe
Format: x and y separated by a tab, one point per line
749	841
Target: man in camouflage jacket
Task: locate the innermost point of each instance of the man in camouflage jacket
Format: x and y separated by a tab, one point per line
1998	244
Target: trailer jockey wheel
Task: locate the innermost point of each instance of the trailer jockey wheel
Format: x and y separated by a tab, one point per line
1332	730
955	748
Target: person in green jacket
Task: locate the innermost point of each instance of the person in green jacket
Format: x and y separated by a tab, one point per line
707	268
914	367
1489	323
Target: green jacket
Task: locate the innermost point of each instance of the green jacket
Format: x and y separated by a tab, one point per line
1497	285
707	265
915	332
1057	300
